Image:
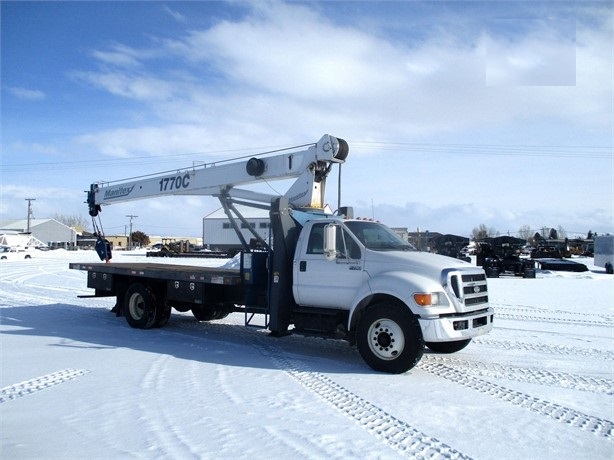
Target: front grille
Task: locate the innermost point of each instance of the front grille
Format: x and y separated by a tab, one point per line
476	300
470	288
474	277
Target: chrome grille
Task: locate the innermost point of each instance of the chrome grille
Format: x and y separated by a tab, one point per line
475	289
470	288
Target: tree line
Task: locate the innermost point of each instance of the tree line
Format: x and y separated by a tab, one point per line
525	232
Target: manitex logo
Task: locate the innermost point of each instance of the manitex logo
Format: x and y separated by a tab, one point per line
117	192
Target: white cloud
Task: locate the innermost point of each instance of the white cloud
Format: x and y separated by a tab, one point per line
141	87
285	74
544	56
119	55
35	147
27	94
154	141
174	14
288	62
49	201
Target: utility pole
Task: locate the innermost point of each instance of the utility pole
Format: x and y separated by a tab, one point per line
130	234
29	200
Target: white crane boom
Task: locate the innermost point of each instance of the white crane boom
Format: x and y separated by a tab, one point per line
310	166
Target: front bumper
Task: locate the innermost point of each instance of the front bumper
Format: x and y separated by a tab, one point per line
457	327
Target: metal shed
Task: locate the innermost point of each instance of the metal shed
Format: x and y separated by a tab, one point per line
49	231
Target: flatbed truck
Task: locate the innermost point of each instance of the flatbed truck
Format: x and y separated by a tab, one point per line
322	274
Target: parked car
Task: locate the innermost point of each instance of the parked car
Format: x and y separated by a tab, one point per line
12	253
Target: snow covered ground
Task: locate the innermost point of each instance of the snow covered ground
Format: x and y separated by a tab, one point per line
78	382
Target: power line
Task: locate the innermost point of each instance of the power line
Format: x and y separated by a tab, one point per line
556	151
146	159
552	151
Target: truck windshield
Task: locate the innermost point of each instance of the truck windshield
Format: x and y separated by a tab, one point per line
378	237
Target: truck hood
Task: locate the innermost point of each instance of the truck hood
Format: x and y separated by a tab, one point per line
424	263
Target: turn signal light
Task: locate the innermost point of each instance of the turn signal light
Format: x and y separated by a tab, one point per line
423	299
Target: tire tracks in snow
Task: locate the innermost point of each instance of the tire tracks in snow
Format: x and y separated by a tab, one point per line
395	433
170	442
528	375
598	426
531	308
40	383
18	272
544	348
526	313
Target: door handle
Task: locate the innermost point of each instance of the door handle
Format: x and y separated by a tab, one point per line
302	266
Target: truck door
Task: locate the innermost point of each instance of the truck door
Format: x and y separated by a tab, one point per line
322	283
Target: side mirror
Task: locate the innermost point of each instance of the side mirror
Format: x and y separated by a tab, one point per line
330	242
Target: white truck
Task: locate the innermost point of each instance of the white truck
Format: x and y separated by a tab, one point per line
604	252
322	274
13	253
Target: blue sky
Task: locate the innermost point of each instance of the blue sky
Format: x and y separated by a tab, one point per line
457	113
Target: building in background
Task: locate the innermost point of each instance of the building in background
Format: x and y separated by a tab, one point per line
52	233
218	234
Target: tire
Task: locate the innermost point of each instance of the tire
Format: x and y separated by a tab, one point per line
205	313
140	306
210	312
609	269
389	338
448	347
221	314
163	315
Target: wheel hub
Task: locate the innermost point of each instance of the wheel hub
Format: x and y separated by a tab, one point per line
137	306
386	339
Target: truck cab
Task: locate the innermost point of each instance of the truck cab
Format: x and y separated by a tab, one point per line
389	297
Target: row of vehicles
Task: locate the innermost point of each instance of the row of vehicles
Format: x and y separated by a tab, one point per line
506	255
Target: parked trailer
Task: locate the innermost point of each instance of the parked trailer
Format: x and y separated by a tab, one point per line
604	252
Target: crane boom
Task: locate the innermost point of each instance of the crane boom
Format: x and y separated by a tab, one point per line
310	166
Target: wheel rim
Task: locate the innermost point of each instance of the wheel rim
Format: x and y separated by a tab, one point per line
136	306
386	339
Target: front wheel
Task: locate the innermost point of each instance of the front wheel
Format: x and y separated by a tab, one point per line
389	338
448	347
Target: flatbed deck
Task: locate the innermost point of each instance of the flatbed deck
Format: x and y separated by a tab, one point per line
214	275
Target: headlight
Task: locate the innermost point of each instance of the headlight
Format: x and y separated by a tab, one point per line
429	299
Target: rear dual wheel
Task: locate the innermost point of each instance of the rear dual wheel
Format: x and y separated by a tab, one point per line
144	308
209	313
